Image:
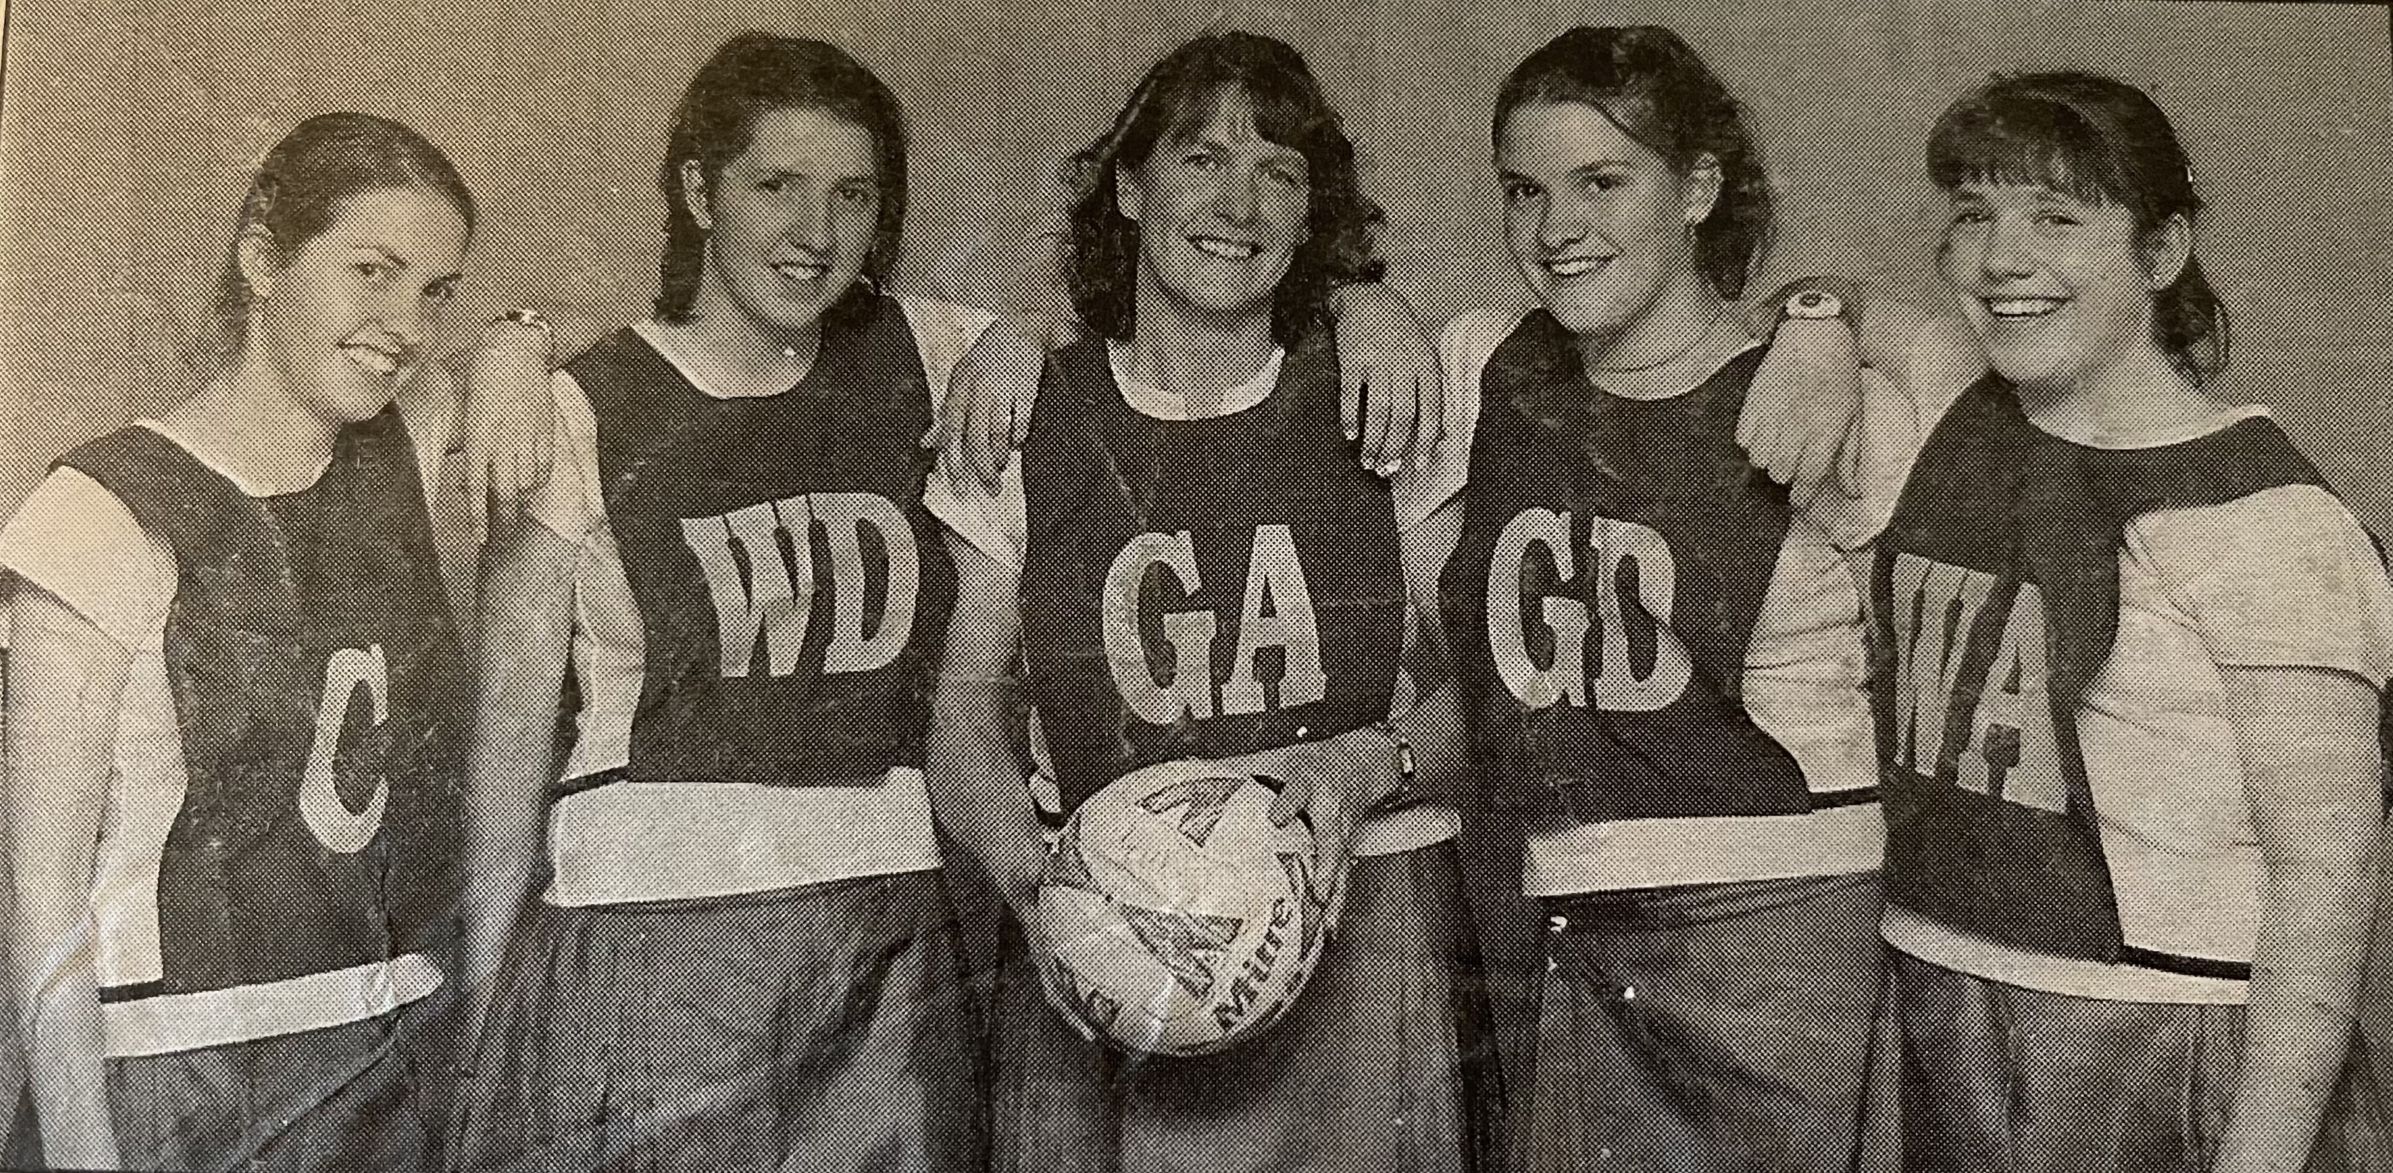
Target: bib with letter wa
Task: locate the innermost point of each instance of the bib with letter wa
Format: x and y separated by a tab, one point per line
1996	601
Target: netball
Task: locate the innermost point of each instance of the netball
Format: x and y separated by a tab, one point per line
1177	920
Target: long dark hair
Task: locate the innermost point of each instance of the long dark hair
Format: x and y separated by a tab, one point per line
2100	140
1653	86
300	185
752	75
1176	97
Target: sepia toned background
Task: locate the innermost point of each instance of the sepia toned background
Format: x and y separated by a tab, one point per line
128	125
127	128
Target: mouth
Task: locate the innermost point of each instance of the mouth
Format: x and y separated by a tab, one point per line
801	270
1228	250
2018	309
1567	267
381	360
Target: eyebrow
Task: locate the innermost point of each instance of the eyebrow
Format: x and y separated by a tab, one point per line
1278	152
396	261
786	173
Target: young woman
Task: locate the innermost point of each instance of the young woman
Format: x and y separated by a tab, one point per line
1187	564
2129	719
232	706
1661	653
744	957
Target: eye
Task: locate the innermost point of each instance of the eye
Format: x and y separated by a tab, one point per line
2056	220
1201	161
774	184
855	194
1520	191
1606	182
1289	177
441	292
375	273
1971	216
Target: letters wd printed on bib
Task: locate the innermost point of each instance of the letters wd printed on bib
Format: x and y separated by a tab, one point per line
1594	626
762	601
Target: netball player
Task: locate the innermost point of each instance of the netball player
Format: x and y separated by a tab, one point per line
744	957
1661	652
232	708
2129	722
1188	564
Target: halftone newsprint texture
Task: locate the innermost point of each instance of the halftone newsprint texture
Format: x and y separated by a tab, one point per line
796	987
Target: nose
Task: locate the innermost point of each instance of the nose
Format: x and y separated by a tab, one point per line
810	222
2006	253
402	314
1566	222
1240	197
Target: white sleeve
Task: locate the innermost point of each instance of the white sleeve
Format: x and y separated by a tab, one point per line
997	525
2285	577
570	502
1463	350
943	333
77	541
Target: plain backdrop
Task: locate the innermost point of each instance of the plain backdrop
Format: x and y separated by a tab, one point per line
128	127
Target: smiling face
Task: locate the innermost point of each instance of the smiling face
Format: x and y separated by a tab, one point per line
1221	211
343	319
2057	288
1596	222
790	221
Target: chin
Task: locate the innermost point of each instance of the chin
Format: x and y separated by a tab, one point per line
1585	317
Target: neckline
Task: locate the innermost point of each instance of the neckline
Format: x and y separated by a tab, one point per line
690	363
1155	403
1691	388
247	487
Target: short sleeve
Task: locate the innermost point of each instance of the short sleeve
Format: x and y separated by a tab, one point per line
997	525
943	333
77	541
1427	482
569	502
2282	578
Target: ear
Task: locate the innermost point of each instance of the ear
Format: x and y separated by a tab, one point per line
1702	188
2167	249
695	198
1128	197
259	259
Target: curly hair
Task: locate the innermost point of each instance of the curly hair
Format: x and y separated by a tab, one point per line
2100	140
752	75
1176	98
1652	85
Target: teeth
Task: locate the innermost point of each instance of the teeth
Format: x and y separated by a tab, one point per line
1231	250
1573	267
2023	307
801	272
379	362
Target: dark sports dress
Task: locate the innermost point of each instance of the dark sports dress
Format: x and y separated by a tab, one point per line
1204	588
276	888
1628	599
746	957
2076	905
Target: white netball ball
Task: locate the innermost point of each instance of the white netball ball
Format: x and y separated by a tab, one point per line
1174	918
